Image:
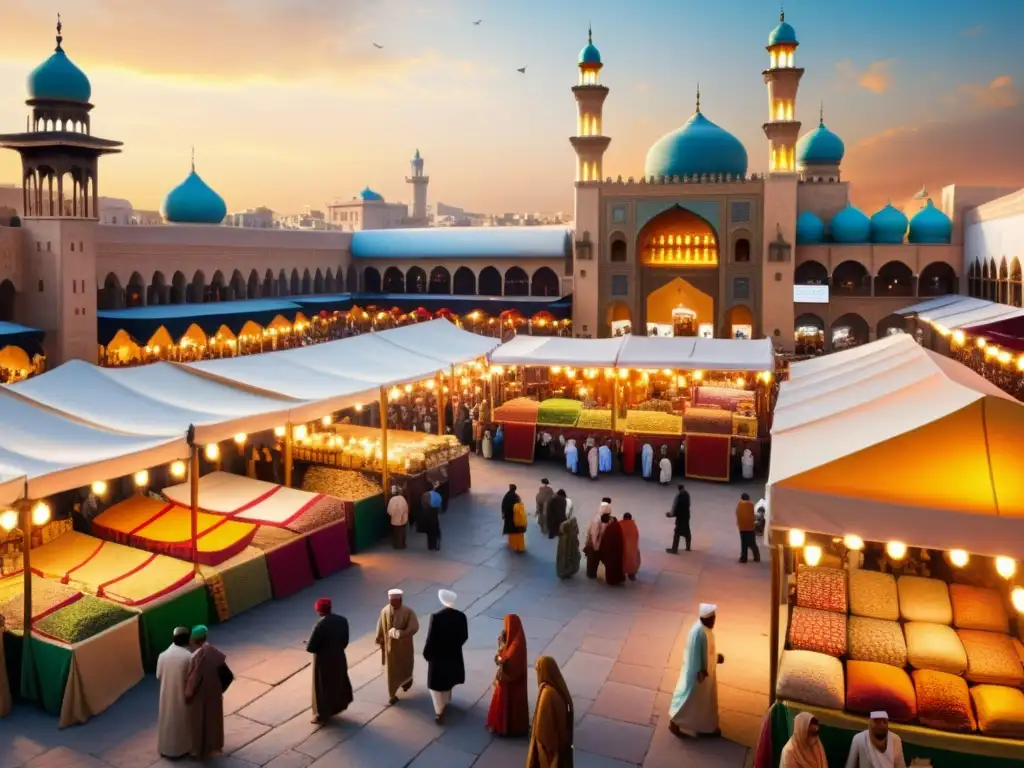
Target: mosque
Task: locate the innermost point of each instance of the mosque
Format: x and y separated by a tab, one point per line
695	245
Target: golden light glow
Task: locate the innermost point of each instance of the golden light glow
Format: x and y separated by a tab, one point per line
556	369
178	469
359	407
40	513
1004	357
680	248
570	372
279	431
429	384
797	537
959	337
240	438
812	554
959	557
765	376
1020	363
1006	567
497	370
609	373
9	520
741	382
326	420
1017	596
99	488
897	550
300	432
624	374
981	343
698	375
583	390
853	541
408	388
212	452
666	372
141	478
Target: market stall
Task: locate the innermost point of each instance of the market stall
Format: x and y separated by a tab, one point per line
891	589
238	584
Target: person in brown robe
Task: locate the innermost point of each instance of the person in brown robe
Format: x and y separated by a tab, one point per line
611	551
332	689
552	734
204	694
395	629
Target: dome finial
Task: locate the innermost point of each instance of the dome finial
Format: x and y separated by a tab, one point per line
590	34
193	158
60	38
782	13
821	113
698	98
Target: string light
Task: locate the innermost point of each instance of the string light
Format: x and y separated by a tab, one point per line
326	420
212	452
240	438
178	469
99	488
9	520
40	513
812	554
141	478
853	541
897	550
1017	596
300	432
1006	567
797	537
958	557
279	431
959	337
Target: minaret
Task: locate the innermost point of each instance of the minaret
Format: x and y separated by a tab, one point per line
590	144
783	79
419	190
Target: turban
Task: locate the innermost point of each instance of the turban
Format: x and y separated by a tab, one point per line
879	715
395	593
323	605
707	610
447	598
199	632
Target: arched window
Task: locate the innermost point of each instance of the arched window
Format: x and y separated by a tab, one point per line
464	282
544	283
394	280
415	280
939	279
618	250
489	282
741	251
7	294
516	282
894	279
851	278
440	281
179	287
371	280
135	294
810	273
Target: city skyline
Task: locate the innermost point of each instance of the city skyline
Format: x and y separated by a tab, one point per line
292	104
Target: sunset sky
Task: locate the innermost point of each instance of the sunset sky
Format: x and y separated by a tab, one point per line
289	104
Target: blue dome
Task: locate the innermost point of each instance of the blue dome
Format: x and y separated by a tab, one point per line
809	229
194	202
698	147
784	34
888	225
368	194
820	147
850	226
930	226
59	79
590	54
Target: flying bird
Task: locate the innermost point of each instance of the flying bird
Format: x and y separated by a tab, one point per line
522	70
375	45
478	22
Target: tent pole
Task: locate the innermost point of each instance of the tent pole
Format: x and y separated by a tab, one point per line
384	441
288	455
440	404
193	492
615	405
451	394
773	631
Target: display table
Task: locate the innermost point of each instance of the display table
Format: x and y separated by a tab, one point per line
329	550
518	442
370	522
238	584
837	729
709	457
288	560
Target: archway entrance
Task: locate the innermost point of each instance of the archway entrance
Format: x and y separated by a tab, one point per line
680	309
619	319
740	322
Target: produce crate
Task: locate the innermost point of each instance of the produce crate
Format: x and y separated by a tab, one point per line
654	423
521	410
594	419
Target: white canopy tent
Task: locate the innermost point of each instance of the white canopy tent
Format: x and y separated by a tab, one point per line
558	350
56	452
696	354
441	341
924	452
931	304
12	485
977	316
965	304
852	357
157	400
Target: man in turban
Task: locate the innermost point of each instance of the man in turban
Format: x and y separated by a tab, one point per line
694	708
447	633
174	735
332	690
395	629
208	676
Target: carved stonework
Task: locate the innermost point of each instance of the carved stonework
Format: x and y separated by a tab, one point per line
585	247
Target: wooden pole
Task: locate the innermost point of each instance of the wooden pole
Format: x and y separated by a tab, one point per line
440	403
25	513
451	394
288	455
384	474
615	405
773	631
193	490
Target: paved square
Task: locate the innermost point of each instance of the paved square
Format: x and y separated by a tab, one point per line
620	648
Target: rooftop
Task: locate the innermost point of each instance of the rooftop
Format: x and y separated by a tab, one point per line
462	242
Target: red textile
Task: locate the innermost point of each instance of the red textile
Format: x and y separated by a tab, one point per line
509	714
611	553
630	547
328	549
520	440
708	457
629	454
763	755
459	480
289	568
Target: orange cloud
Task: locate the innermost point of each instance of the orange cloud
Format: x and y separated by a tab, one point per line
876	77
1000	93
221	43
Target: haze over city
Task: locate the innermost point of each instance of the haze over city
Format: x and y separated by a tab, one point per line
289	103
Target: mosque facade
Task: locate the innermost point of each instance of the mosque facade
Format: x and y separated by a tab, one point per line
693	245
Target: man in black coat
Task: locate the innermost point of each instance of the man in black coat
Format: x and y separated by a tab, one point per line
508	503
332	689
557	512
448	632
681	512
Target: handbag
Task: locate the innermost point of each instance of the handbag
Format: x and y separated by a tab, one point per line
226	676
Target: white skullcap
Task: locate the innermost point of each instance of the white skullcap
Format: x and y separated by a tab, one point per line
879	715
395	593
447	598
707	610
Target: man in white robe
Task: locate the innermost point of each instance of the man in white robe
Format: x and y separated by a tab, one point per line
694	708
174	730
876	747
647	460
665	470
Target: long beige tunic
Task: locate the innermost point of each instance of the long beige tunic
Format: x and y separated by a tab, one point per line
397	654
174	727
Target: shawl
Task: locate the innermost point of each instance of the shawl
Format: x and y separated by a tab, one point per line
799	751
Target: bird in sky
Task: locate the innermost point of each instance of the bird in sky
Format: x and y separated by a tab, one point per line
376	45
522	70
478	22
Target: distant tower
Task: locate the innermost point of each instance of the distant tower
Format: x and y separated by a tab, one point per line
783	79
590	144
419	189
59	162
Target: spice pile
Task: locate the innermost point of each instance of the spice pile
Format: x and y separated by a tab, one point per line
339	483
558	412
82	619
594	419
654	423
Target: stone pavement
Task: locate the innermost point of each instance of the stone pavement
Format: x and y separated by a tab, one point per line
620	648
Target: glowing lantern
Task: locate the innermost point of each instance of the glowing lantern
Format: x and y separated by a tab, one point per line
797	538
1006	567
897	550
141	478
812	554
959	557
853	541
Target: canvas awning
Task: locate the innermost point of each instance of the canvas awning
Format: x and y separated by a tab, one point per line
965	304
930	304
29	339
975	316
12	485
1007	332
922	451
157	400
697	354
56	452
440	340
558	350
853	356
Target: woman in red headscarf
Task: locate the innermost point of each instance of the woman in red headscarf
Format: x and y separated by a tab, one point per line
509	714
